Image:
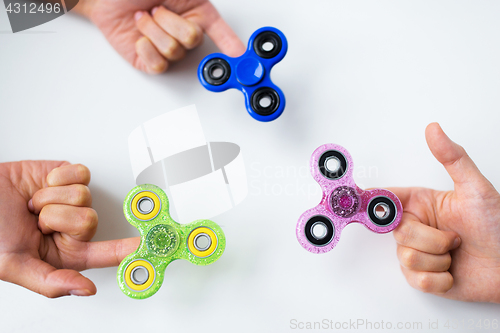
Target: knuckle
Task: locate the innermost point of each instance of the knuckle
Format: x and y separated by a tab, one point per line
441	245
463	152
82	173
409	258
38	197
402	234
81	195
171	49
44	218
449	283
89	218
191	36
140	42
159	67
447	262
44	212
424	282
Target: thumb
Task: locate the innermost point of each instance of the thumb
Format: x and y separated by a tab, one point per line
45	279
209	19
453	157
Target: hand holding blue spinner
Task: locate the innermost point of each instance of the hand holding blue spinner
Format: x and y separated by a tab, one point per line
202	242
250	73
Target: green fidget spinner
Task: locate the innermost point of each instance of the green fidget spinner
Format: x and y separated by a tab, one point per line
163	240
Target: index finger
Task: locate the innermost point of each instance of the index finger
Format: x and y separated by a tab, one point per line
68	175
403	193
416	235
110	253
209	19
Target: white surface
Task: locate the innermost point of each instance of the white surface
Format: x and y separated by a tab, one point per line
236	178
174	132
138	148
209	194
367	75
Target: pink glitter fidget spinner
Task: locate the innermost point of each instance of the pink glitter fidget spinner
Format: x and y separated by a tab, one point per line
343	202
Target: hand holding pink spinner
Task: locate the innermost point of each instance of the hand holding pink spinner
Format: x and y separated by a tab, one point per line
343	202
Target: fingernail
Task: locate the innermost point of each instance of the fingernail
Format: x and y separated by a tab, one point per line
456	242
80	292
30	205
153	11
138	15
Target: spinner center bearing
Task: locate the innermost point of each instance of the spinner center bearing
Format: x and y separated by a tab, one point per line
162	240
344	201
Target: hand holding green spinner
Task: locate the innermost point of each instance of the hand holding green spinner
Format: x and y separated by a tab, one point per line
202	242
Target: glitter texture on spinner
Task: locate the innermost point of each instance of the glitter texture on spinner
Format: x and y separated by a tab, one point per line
318	229
140	274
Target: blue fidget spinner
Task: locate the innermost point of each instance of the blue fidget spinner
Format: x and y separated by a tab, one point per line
250	73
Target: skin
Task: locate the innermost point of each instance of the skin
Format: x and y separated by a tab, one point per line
46	224
151	34
449	241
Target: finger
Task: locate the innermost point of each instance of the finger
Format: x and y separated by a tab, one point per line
453	157
187	33
155	63
421	261
208	18
166	45
69	174
74	195
78	222
42	278
403	193
429	282
110	253
412	233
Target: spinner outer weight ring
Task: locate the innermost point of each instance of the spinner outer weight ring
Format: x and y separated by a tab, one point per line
156	209
213	238
369	213
267	36
330	230
216	63
338	155
262	93
151	275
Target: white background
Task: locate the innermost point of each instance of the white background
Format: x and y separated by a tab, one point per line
367	75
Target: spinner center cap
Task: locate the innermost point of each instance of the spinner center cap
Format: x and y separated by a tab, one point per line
249	71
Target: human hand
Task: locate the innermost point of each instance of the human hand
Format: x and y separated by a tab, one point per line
46	224
449	241
150	34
